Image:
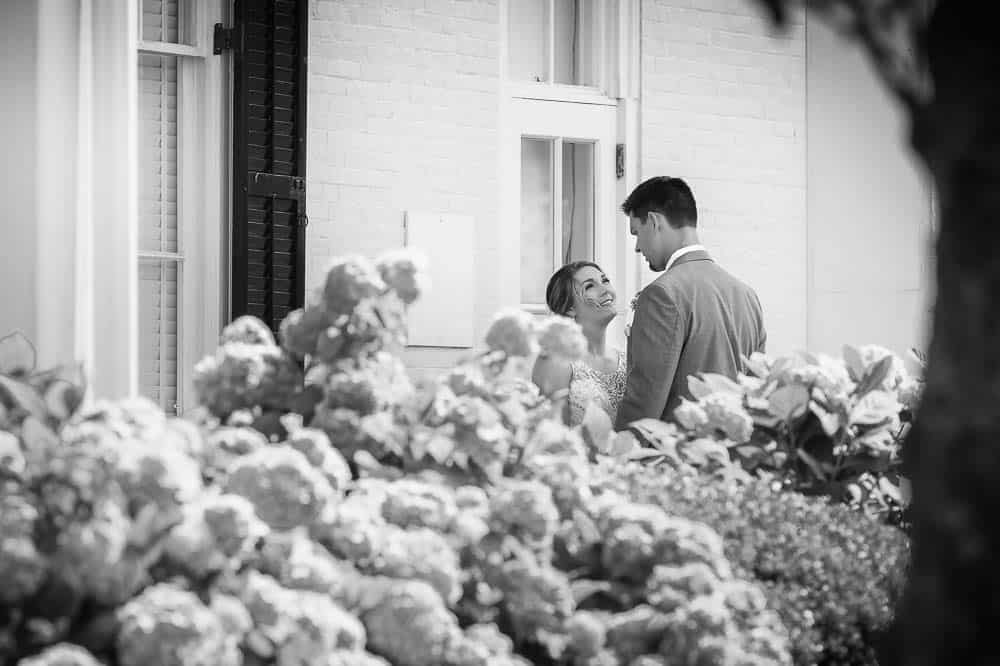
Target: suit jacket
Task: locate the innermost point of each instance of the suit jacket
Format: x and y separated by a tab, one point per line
694	318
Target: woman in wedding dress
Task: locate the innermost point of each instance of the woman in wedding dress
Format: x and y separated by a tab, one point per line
582	291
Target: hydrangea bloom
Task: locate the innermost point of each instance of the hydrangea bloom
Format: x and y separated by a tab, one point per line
61	654
419	554
512	332
226	444
217	531
168	626
315	445
299	563
150	473
561	337
524	509
413	503
301	329
349	280
409	625
241	375
319	627
405	272
285	490
247	329
22	569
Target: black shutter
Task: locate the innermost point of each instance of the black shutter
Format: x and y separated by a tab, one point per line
269	158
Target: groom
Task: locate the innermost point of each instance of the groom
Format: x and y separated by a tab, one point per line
694	318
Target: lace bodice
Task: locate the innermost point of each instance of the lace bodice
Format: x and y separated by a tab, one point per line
588	385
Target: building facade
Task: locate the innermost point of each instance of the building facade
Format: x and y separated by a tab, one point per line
155	187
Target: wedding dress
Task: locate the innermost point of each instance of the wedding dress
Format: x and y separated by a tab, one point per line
587	385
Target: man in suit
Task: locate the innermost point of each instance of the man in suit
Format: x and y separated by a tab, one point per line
693	318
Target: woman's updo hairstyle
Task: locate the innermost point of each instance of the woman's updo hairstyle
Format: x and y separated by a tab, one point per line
562	286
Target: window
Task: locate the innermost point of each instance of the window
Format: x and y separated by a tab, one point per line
180	150
555	41
560	138
554	229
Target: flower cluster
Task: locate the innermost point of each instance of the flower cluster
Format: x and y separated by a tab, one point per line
314	512
832	426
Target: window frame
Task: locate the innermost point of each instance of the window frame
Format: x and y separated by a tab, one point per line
560	122
607	73
202	180
617	100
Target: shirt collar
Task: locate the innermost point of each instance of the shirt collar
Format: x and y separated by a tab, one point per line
681	252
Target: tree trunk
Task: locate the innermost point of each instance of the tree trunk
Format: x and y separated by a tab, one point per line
951	610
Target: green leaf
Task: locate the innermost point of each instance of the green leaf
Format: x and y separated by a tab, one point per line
582	588
813	464
875	376
754	367
657	434
855	366
720	383
17	355
440	447
24	396
622	443
789	402
697	387
829	421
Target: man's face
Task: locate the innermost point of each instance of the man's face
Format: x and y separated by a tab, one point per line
648	240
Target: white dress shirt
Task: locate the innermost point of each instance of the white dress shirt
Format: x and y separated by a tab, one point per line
681	252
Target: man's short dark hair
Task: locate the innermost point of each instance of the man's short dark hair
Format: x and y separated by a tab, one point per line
669	196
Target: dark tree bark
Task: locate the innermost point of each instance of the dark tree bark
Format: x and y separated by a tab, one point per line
947	78
951	609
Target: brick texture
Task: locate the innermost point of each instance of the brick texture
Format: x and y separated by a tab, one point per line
403	115
723	106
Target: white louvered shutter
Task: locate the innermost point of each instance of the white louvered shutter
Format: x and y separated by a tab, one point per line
161	21
160	261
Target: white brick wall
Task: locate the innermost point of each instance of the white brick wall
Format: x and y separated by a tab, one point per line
723	106
403	115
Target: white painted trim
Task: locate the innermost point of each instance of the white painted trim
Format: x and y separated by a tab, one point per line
557	93
169	48
83	320
115	208
57	164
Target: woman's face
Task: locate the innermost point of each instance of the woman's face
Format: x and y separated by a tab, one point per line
593	296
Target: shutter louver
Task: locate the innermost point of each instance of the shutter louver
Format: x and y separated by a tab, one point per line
269	155
158	332
161	21
159	261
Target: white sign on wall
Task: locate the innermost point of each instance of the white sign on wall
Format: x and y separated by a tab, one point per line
444	317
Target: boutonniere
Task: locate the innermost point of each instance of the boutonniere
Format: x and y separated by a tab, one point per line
631	305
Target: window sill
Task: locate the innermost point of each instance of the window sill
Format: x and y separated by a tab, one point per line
559	93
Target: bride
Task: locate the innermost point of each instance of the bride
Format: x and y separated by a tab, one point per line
582	291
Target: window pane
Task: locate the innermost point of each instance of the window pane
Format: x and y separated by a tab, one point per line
536	218
158	153
577	201
576	42
527	43
161	21
158	286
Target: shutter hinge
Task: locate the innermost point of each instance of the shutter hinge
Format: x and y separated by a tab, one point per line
222	39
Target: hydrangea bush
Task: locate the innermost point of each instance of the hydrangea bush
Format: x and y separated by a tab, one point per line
317	510
812	423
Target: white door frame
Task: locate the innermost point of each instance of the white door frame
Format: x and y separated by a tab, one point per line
590	122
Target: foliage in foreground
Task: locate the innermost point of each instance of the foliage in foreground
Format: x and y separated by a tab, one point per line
316	512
